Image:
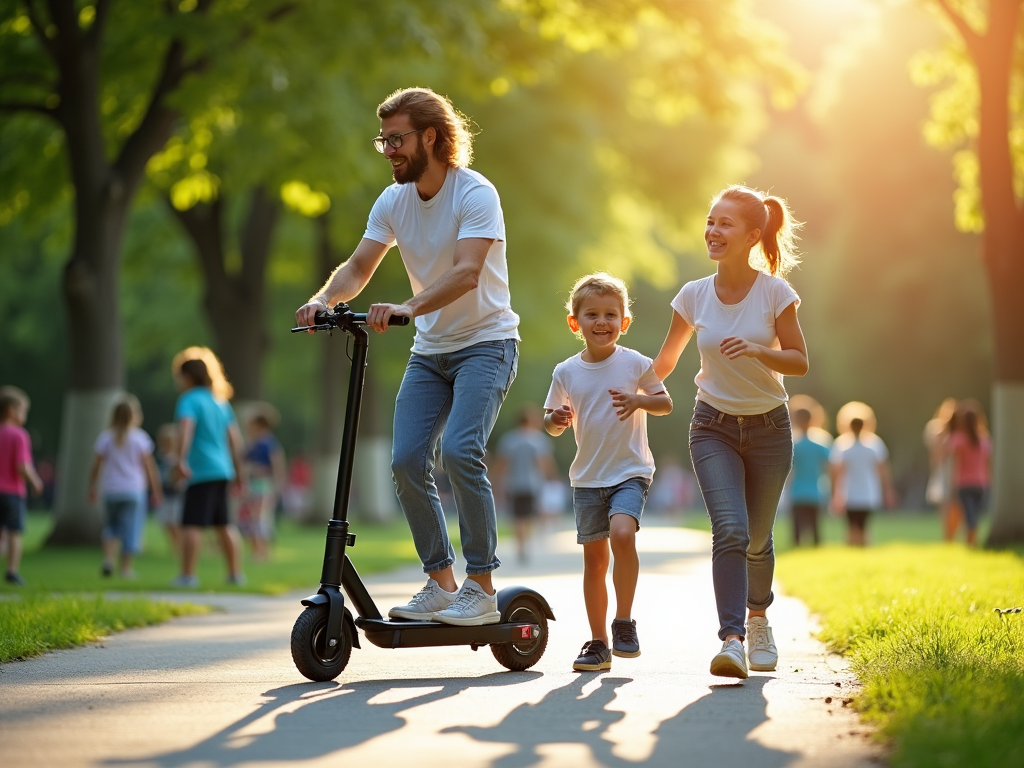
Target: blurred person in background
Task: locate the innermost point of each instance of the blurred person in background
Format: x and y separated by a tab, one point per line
861	478
16	472
808	477
122	470
168	514
266	476
524	460
209	459
940	490
970	449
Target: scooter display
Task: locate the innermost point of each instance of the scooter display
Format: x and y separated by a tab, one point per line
325	632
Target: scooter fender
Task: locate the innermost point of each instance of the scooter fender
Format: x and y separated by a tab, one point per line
321	599
508	594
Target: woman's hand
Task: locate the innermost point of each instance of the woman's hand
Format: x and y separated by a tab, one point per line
561	417
734	347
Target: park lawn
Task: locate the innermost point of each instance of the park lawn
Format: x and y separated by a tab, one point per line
295	561
63	605
942	670
34	623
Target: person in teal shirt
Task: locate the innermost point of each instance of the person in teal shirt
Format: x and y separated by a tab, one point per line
208	457
810	471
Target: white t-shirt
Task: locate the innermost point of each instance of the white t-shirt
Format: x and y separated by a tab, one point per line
426	232
123	469
745	386
860	484
608	451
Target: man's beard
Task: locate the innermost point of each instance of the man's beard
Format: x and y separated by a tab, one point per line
413	169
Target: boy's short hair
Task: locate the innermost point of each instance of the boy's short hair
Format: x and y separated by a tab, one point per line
597	284
10	398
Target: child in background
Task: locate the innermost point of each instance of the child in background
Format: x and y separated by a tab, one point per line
810	470
16	468
861	479
122	468
605	393
971	451
168	514
266	475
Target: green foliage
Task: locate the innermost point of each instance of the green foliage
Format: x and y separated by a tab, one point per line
953	121
36	623
943	671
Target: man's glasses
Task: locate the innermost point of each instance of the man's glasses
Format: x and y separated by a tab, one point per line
395	140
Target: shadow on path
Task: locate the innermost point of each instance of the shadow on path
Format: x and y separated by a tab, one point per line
320	719
712	731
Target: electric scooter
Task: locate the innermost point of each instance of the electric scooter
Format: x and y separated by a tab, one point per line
325	632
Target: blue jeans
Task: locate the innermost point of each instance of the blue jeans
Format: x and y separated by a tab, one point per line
972	501
446	408
125	520
741	463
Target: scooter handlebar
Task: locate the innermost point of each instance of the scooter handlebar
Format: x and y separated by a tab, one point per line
341	316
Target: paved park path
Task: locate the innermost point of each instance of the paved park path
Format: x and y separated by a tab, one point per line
220	690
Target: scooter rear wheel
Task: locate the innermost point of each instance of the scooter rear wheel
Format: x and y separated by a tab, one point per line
310	653
523	654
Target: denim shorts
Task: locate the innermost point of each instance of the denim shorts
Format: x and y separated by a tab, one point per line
12	512
595	506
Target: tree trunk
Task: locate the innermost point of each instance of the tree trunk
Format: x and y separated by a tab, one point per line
1003	254
235	302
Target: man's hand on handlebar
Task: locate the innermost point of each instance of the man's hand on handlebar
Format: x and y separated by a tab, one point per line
305	315
377	315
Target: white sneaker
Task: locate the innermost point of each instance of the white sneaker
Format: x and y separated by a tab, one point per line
762	653
471	608
425	603
731	661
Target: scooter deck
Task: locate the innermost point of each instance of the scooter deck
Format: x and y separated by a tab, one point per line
387	633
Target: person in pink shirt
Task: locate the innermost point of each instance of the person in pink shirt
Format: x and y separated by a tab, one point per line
16	468
971	450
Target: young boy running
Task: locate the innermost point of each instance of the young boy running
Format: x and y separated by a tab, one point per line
598	393
16	468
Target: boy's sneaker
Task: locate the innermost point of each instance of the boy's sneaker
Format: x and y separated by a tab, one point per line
425	603
237	579
471	607
762	653
15	579
731	661
187	582
594	657
107	570
624	640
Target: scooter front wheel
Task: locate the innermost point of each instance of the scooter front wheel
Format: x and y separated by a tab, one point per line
310	652
523	654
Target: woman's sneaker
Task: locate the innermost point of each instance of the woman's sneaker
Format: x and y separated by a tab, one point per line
471	607
593	657
425	603
731	661
624	640
762	653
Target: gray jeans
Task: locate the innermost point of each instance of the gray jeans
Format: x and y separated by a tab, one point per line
446	409
741	463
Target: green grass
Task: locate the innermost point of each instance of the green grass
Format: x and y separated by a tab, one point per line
62	604
295	562
943	672
33	623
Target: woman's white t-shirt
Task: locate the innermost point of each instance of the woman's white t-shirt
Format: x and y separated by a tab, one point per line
608	451
744	386
426	232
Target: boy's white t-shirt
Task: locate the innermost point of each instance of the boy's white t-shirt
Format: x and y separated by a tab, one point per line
744	386
861	483
426	232
124	469
608	451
